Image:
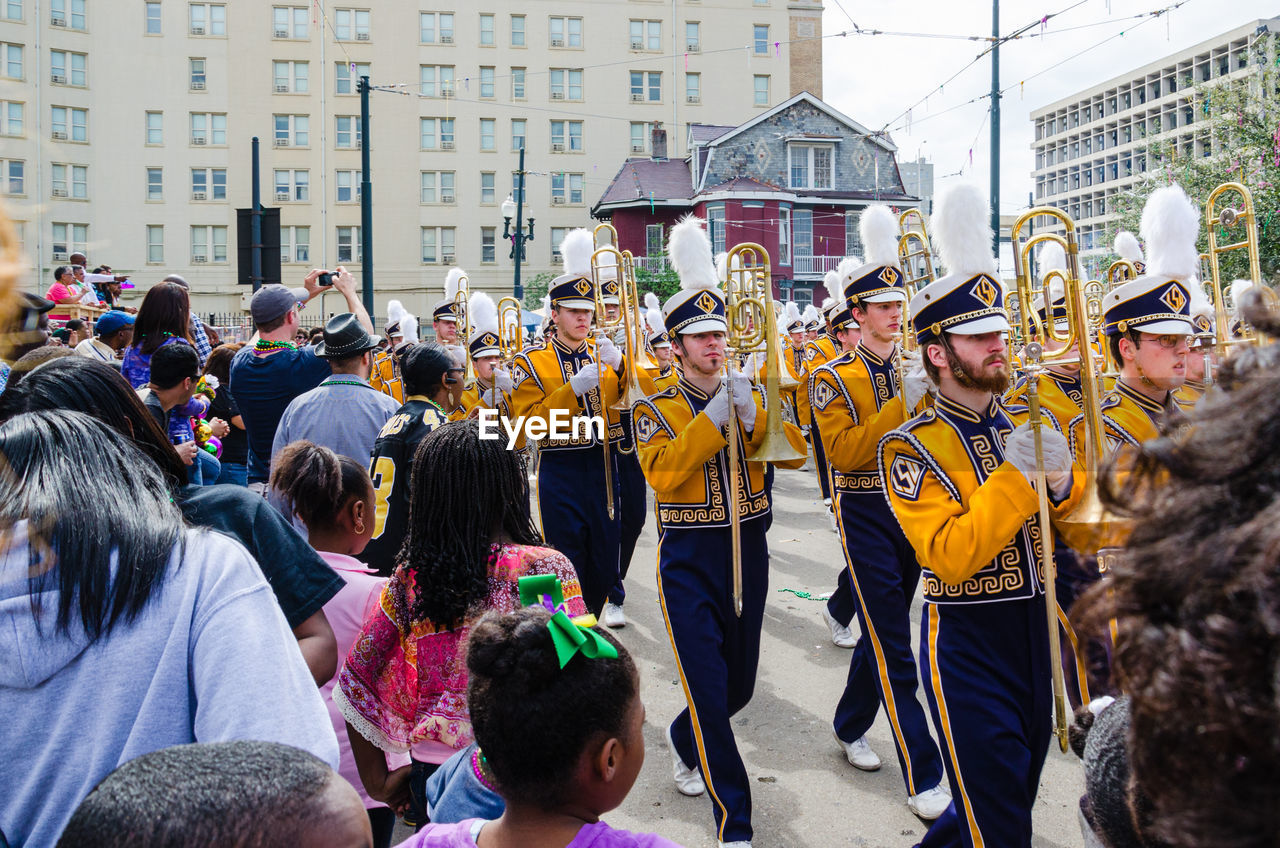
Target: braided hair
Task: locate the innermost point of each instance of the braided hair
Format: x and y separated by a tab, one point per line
465	494
317	483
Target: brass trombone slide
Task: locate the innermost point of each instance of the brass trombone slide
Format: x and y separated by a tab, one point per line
915	255
1227	219
462	308
510	332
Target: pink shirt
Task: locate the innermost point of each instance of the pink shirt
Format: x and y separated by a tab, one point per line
464	834
346	612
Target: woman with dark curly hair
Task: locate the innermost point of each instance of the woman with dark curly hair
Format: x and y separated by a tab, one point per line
471	539
1196	600
163	318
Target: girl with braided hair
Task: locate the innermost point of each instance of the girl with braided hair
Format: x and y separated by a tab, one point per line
470	540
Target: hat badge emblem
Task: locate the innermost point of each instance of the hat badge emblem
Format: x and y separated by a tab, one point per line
1174	298
706	302
582	286
889	276
986	290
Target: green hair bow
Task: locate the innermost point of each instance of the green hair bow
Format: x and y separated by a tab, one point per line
568	636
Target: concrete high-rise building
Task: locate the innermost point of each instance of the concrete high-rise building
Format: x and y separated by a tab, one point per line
125	127
1095	144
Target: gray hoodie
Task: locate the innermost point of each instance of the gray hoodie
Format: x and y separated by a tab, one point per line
209	659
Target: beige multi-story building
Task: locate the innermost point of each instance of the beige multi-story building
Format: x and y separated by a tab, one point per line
125	128
1096	143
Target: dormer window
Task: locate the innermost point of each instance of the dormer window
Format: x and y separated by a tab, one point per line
810	166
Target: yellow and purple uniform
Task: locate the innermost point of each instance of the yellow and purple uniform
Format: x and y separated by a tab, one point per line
817	353
385	376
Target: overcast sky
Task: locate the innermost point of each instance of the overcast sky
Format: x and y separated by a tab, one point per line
873	79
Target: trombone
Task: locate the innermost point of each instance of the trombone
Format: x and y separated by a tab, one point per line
605	261
752	327
1121	271
1227	219
461	309
916	258
510	333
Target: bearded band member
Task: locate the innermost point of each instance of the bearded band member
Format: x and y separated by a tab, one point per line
959	479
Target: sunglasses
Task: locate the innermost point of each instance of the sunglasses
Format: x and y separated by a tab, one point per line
1168	341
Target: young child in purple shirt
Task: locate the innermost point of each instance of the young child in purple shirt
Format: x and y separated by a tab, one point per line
558	720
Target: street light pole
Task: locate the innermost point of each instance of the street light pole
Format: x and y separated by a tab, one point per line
518	236
366	200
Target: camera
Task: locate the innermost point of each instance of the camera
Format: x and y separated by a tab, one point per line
325	279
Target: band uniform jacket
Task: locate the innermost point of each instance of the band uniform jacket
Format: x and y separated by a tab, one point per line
541	379
685	458
970	515
817	353
385	376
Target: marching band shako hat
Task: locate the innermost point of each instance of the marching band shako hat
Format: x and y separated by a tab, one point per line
877	278
1053	258
446	309
840	313
699	306
574	289
791	317
658	335
1127	247
1159	301
402	325
812	320
484	326
969	300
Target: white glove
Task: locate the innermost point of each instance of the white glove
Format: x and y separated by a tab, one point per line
609	353
585	380
502	380
916	386
718	409
1020	451
457	354
744	401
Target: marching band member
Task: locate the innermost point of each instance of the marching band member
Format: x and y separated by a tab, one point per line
812	322
444	314
563	376
1127	247
958	477
816	354
683	451
1203	355
402	329
857	400
660	344
485	352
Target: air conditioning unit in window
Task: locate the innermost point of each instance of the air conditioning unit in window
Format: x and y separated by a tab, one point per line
282	196
555	256
57	19
446	145
197	85
557	148
198	195
282	33
693	98
282	142
557	95
446	198
62	78
693	47
281	88
198	139
197	30
637	98
637	44
446	39
59	192
59	256
557	42
362	36
557	201
199	257
59	135
447	259
637	148
446	90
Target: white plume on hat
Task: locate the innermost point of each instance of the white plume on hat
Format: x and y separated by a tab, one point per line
453	282
653	317
843	270
409	327
576	250
1170	227
811	314
690	250
1238	289
546	303
722	265
1200	304
962	230
831	282
1127	247
879	231
1052	257
482	312
791	313
395	312
651	301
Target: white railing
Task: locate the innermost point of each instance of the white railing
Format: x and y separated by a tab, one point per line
653	264
815	264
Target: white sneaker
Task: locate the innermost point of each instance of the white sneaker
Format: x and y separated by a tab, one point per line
930	803
859	754
612	615
827	503
835	528
688	781
841	636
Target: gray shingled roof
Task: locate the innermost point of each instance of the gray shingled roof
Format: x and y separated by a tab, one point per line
637	178
704	133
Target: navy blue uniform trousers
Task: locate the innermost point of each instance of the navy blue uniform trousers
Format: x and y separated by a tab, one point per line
882	669
632	510
575	518
986	668
841	604
820	457
716	655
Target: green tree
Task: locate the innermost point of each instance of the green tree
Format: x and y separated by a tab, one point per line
535	288
1237	122
663	283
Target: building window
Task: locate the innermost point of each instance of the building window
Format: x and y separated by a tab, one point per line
566	32
70	181
348	183
715	227
292	185
802	238
810	165
292	130
646	35
70	124
487	193
435	80
639	132
11	10
351	24
349	244
208	19
760	93
69	239
289	21
486	83
67	13
155	244
566	83
197	75
784	235
155	184
12	65
291	77
486	31
153	19
208	128
517	83
692	36
566	188
438	187
348	77
67	68
346	132
487	133
13	175
155	128
760	36
852	236
646	86
435	27
517	30
295	244
488	245
557	236
208	183
437	245
566	136
519	193
693	88
208	244
518	133
653	241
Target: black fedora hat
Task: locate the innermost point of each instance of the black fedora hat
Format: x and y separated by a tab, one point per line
344	336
